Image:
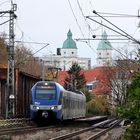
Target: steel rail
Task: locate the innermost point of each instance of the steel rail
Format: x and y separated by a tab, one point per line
69	135
99	134
23	129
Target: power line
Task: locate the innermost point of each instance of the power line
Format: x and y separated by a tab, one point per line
2	14
90	3
26	59
75	18
39	43
117	27
29	42
112	29
116	14
78	23
84	17
5	21
87	45
4	2
100	39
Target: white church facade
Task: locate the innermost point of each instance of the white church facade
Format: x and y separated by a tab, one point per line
104	52
66	56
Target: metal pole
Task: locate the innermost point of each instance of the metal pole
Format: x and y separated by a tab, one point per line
10	103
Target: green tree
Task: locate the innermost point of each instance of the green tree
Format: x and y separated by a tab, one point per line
131	110
75	79
87	94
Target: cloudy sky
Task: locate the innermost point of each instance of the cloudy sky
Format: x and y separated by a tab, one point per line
48	21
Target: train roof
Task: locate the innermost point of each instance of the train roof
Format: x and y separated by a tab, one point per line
60	86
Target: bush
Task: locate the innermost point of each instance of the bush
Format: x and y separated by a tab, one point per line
97	106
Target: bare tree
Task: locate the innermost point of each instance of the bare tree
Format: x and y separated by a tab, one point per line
3	51
25	61
119	77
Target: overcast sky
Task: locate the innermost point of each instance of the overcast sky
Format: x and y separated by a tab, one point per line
49	21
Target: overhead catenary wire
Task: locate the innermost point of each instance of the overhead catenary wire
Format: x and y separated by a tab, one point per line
2	15
27	42
102	24
102	39
26	59
38	43
5	22
83	14
4	2
112	29
90	3
132	38
77	21
90	29
75	18
116	14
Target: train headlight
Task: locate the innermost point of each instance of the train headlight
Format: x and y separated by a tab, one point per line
36	107
52	108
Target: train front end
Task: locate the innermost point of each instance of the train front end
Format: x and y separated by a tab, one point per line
45	101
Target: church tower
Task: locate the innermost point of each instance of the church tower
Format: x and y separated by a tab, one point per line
69	48
69	51
67	55
104	52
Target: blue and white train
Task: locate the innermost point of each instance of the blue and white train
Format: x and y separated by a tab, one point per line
51	101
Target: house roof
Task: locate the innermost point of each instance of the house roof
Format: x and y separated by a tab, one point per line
91	75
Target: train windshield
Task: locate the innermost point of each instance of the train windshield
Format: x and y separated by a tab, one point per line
46	92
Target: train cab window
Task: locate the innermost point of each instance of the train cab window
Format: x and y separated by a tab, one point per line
48	93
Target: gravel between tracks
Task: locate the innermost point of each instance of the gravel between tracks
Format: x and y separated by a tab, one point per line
114	134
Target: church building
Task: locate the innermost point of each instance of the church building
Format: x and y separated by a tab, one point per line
104	52
66	56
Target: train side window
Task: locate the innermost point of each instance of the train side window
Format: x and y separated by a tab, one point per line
68	101
60	98
64	102
72	104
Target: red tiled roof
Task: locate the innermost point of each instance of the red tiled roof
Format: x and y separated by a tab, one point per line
99	74
102	74
91	75
61	76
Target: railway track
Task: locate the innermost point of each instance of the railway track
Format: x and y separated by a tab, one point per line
21	130
61	131
92	132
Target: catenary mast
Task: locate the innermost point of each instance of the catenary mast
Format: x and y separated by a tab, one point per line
10	98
